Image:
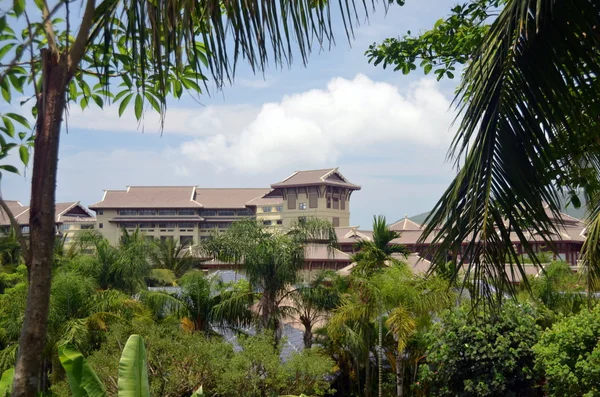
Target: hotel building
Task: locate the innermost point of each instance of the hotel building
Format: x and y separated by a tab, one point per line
190	214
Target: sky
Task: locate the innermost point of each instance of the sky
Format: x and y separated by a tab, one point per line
385	131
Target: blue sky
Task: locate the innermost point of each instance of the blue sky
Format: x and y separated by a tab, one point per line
387	132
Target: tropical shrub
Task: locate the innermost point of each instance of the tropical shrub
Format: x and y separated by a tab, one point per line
569	354
476	354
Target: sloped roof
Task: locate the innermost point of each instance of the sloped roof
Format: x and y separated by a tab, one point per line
149	197
405	224
417	264
228	197
21	213
327	176
320	252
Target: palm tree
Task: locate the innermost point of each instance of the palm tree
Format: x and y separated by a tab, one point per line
271	261
409	302
124	267
311	302
372	256
168	255
527	134
154	50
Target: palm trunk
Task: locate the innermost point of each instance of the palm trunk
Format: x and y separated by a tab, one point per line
50	106
380	356
307	336
399	374
368	376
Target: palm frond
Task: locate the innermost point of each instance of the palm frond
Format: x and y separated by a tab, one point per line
528	103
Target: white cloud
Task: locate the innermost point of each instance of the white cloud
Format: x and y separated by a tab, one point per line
317	127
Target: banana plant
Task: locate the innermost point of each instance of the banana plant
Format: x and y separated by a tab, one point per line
6	382
133	372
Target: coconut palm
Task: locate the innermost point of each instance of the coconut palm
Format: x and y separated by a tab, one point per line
527	133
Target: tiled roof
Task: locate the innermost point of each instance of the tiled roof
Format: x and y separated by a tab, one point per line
228	198
405	224
260	201
328	176
414	261
320	252
63	213
149	197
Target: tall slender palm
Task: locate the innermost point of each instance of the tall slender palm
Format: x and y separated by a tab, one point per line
373	255
528	133
409	302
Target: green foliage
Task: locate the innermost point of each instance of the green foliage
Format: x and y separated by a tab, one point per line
559	289
82	379
477	354
6	382
569	355
179	363
451	41
133	371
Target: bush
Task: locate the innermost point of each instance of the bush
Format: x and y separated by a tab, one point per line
569	354
178	363
472	354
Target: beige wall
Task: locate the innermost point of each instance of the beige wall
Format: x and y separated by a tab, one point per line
290	215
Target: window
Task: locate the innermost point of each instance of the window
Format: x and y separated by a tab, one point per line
146	225
267	223
186	225
224	225
186	240
336	221
328	201
208	213
87	227
313	200
167	225
100	225
147	212
128	225
336	203
165	238
291	202
186	212
279	208
246	212
343	202
226	213
100	212
267	209
166	211
24	229
208	225
65	227
279	222
303	206
127	212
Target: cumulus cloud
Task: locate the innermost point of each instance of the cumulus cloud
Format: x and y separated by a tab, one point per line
317	127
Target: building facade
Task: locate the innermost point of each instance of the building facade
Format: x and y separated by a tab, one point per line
190	214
